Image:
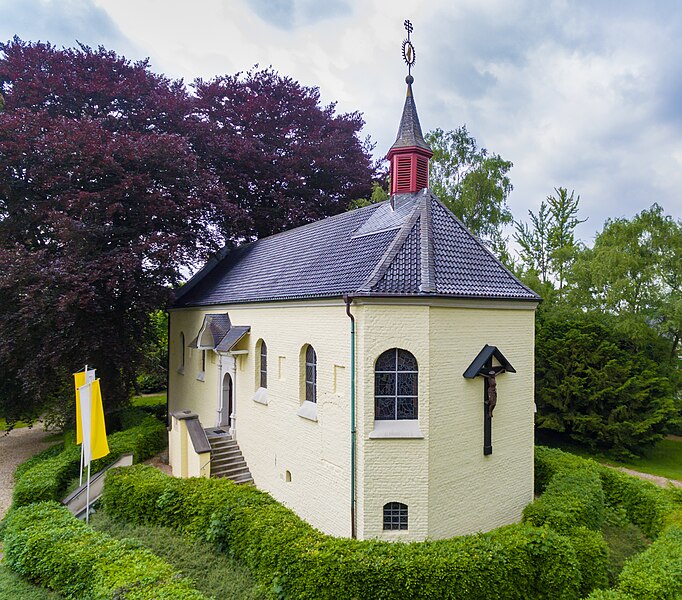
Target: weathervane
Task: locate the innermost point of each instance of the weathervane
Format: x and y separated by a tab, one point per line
409	54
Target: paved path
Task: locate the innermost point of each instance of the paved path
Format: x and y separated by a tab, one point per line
15	448
662	481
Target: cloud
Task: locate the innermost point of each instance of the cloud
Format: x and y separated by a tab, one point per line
584	95
287	14
60	22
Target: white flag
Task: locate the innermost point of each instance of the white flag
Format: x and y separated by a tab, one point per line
85	398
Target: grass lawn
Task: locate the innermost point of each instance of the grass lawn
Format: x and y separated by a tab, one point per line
143	400
665	459
13	587
3	424
624	541
213	573
149	399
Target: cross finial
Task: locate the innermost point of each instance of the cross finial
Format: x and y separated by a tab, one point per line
408	50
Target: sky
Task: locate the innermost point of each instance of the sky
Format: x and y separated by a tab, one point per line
585	95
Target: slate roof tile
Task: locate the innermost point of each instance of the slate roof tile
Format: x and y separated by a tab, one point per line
413	247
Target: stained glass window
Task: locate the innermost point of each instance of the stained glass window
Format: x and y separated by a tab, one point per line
263	365
395	386
395	516
310	375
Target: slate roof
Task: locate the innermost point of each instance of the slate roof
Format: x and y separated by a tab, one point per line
409	246
410	131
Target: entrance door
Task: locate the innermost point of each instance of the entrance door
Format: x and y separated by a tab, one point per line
226	412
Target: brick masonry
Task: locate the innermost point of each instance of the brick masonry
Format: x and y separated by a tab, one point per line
447	483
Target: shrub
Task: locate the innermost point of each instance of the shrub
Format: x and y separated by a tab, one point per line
550	461
609	595
592	553
46	544
47	479
655	574
599	385
646	505
296	561
38	458
571	499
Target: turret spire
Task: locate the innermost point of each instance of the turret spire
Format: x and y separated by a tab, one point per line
410	153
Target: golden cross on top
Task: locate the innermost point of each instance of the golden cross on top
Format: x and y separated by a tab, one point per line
409	54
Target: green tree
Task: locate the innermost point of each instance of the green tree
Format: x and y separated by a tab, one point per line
473	183
597	386
548	245
633	271
379	194
534	242
153	374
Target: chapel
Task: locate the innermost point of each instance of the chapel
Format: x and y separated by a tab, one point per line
372	371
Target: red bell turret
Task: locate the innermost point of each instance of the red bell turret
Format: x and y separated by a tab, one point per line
410	153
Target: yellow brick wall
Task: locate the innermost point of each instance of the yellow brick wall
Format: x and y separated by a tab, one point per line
273	438
468	491
392	470
447	483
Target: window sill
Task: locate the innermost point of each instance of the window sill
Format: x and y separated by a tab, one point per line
261	396
200	376
308	411
396	430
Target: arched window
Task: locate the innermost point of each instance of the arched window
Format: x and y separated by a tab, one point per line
395	386
181	368
263	367
395	516
310	374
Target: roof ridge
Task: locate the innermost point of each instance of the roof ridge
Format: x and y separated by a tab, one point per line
456	219
428	269
392	251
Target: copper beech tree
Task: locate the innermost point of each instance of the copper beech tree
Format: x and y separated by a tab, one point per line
114	178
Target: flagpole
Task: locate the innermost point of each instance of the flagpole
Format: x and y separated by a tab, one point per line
82	446
87	498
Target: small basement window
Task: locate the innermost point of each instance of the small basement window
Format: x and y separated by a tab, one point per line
395	516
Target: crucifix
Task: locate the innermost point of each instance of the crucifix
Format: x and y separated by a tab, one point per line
482	366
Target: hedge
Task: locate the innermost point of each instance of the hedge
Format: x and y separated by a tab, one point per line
48	478
648	506
38	458
571	499
296	561
46	544
655	574
569	484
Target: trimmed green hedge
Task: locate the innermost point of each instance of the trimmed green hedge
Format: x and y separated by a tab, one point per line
570	486
655	574
296	561
46	479
648	506
528	560
46	544
571	499
38	458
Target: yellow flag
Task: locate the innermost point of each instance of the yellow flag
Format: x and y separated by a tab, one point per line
98	433
79	380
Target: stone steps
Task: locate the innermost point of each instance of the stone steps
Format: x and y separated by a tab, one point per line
227	459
